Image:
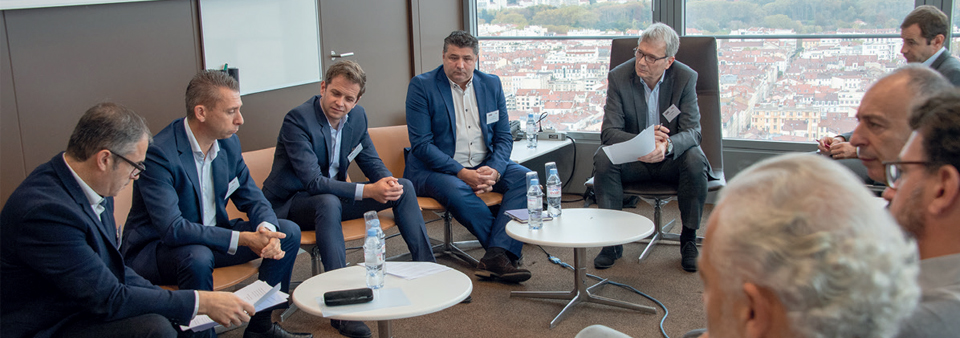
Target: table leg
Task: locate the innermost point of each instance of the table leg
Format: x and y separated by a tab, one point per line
580	293
385	328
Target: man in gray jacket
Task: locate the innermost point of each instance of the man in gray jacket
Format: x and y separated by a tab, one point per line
652	89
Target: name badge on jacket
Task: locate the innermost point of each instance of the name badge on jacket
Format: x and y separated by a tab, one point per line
493	117
231	187
353	154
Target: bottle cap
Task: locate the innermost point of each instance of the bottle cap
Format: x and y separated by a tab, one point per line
553	171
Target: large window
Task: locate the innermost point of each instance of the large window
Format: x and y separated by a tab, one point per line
801	74
790	70
553	55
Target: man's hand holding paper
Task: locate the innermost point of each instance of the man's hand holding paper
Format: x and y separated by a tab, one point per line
649	146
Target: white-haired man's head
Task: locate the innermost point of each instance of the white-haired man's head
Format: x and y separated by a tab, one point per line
785	257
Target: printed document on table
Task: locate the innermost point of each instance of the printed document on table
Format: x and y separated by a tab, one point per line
629	150
412	270
258	293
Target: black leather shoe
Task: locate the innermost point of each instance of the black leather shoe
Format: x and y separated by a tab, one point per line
688	254
608	255
467	300
275	331
496	265
351	328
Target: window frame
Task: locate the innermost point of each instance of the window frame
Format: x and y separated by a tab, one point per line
672	13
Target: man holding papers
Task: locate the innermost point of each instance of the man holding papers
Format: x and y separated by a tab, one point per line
62	273
652	90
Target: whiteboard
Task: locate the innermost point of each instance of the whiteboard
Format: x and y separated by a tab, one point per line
274	43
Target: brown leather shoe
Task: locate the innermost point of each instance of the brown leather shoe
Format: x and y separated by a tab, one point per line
496	265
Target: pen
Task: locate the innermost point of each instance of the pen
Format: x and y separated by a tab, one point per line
224	67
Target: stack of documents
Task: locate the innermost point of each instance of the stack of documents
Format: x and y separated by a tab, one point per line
258	293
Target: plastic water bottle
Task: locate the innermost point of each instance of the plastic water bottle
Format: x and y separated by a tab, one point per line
373	251
531	131
535	205
553	193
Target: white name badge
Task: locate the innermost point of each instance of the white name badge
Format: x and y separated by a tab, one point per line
493	117
356	151
231	187
671	113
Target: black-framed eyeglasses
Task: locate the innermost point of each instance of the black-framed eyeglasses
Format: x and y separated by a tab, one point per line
647	57
138	167
894	169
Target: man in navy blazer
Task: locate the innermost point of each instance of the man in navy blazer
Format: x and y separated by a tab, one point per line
178	229
62	273
652	89
460	147
307	183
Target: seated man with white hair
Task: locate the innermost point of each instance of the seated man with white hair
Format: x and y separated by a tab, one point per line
783	257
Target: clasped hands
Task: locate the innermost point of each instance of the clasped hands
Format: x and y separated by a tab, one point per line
836	148
264	242
384	190
660	137
481	180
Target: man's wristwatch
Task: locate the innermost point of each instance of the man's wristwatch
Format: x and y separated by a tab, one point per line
669	147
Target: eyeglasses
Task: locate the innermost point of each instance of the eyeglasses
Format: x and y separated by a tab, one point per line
647	57
138	167
894	170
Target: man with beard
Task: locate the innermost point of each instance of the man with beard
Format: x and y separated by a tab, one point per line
924	194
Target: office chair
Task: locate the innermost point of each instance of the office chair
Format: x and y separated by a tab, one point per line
700	53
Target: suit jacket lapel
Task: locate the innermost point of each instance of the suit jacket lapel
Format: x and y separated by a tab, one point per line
480	91
73	188
186	158
640	101
346	141
443	85
666	91
324	158
943	57
221	178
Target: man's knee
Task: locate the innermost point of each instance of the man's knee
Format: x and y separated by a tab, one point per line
601	163
327	205
291	230
194	260
155	326
694	160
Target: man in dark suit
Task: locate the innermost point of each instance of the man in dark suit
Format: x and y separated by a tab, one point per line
461	143
62	273
178	231
924	32
307	184
652	89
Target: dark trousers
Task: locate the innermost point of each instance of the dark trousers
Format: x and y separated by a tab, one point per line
325	212
468	209
148	326
191	266
689	171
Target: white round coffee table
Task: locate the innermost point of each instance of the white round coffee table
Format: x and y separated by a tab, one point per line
581	229
426	294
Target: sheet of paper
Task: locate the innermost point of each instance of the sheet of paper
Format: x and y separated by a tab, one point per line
628	151
258	293
382	298
412	270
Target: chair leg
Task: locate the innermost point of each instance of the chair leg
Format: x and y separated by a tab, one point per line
315	266
450	247
662	231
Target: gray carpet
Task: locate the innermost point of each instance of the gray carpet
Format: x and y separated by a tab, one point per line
494	314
